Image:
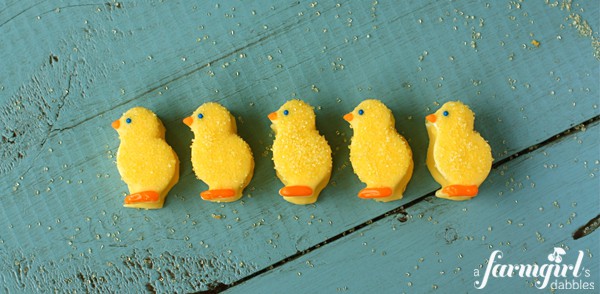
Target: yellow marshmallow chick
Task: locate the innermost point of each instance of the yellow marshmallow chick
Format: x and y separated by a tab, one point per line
380	156
301	155
220	157
458	157
147	164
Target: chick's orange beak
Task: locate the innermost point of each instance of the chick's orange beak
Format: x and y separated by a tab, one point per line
272	116
188	121
431	118
349	117
116	124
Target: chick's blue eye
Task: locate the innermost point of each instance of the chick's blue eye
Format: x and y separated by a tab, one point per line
361	112
128	120
286	112
445	113
200	115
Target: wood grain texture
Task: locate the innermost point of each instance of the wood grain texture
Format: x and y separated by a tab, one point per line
69	69
533	206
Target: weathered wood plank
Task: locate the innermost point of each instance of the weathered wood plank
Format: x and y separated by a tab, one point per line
63	225
535	203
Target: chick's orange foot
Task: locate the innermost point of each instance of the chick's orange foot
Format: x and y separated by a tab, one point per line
370	193
142	197
296	191
217	194
459	190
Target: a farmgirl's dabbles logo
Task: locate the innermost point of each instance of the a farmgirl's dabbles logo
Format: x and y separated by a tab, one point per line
556	274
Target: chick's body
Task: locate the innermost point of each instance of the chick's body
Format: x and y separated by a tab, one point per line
147	164
380	157
302	157
458	157
220	157
224	162
138	158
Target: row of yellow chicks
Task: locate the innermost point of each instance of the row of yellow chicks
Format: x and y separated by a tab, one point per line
458	157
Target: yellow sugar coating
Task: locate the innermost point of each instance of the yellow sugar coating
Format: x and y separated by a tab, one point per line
220	158
379	155
144	159
302	157
457	154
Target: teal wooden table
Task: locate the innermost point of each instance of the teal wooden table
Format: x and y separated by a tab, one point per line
529	70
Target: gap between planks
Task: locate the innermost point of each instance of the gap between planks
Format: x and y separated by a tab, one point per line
588	228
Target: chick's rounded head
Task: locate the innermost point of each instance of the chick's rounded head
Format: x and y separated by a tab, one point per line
211	118
294	115
370	114
453	114
139	122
